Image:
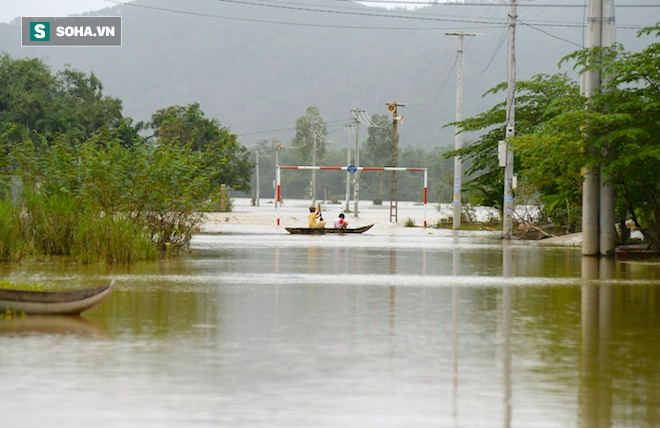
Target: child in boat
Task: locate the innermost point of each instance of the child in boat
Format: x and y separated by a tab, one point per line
340	223
313	216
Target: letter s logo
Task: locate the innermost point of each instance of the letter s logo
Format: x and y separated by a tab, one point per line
39	31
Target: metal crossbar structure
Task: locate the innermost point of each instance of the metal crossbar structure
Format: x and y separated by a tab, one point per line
345	168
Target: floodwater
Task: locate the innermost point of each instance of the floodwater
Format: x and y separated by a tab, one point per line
405	327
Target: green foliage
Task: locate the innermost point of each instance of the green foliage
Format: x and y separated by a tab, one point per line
111	240
93	189
12	247
626	120
221	201
219	150
379	151
51	222
616	131
545	131
311	132
104	201
31	286
33	100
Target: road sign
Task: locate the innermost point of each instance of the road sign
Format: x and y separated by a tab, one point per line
352	169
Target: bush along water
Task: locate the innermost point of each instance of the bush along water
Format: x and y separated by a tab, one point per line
103	202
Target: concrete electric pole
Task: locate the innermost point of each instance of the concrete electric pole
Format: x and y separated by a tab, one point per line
256	154
313	184
507	214
598	235
458	144
356	181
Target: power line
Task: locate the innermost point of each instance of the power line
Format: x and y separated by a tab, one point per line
533	27
444	4
430	19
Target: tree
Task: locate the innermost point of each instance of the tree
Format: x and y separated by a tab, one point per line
80	108
33	100
539	101
379	147
624	128
220	149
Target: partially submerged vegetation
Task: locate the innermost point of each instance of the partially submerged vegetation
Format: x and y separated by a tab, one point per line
78	181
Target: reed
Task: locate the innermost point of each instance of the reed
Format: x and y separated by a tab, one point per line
50	222
111	240
12	244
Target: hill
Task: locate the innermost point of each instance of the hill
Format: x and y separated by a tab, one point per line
257	66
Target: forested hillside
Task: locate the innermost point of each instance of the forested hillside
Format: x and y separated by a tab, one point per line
256	68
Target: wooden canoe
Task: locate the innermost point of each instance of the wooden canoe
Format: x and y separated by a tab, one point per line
323	231
53	302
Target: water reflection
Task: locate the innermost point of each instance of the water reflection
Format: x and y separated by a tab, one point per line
595	364
388	331
507	261
47	324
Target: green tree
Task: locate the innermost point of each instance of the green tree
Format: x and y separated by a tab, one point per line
80	108
33	100
379	148
311	133
539	100
219	148
26	93
623	126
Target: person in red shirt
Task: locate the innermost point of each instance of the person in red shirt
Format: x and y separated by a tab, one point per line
340	223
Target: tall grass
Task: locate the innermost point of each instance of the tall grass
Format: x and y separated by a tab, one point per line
60	225
50	222
111	240
12	244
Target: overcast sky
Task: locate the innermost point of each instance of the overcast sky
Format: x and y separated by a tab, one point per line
10	9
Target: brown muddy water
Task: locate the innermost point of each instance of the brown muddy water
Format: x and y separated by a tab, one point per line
405	329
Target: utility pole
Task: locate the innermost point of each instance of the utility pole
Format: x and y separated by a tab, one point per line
394	184
507	215
314	170
607	197
356	182
458	144
348	128
256	153
598	193
278	145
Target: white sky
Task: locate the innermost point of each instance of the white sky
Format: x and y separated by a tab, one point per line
10	9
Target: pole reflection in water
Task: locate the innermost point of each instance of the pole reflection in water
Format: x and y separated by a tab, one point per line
507	261
455	304
595	394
